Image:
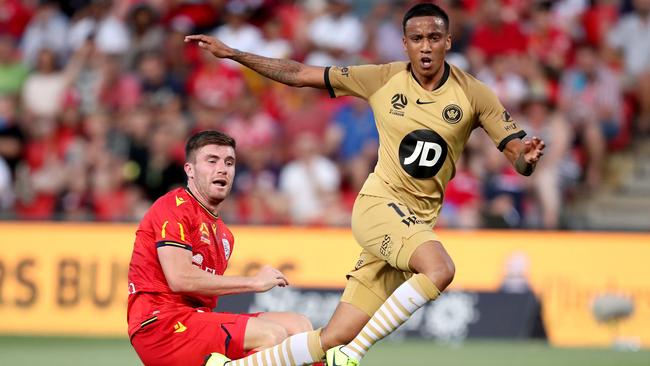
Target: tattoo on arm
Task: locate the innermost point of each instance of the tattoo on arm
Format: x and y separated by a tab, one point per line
280	70
523	167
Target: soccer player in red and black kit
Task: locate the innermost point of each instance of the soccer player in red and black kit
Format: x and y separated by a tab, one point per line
180	254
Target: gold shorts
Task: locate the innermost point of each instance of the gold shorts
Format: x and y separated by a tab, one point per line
389	232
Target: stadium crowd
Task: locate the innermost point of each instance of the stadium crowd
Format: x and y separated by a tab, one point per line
97	98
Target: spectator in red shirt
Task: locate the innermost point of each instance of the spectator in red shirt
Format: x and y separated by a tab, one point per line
494	36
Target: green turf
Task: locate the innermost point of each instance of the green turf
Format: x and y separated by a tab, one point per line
100	352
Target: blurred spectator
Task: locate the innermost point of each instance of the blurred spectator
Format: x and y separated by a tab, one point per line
48	28
75	201
336	35
46	87
198	15
462	199
384	29
11	136
158	87
292	18
567	14
259	202
6	186
598	20
42	177
110	196
237	32
493	26
14	16
537	82
516	274
310	182
12	72
503	191
99	22
592	100
273	45
501	76
352	132
353	140
251	127
547	185
547	42
309	110
160	172
216	84
461	29
630	36
116	89
145	31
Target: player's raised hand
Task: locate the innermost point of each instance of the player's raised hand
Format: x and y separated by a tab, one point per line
269	277
215	46
534	149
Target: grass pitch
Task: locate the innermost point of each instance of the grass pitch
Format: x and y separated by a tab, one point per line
105	352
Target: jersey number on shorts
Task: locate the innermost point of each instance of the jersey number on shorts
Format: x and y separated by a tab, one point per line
407	220
422	153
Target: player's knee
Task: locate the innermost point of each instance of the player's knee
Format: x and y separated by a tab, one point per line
298	324
446	273
273	334
434	262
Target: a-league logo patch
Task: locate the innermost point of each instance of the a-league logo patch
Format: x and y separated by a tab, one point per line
452	114
398	103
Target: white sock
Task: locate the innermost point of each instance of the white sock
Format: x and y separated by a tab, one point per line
397	309
299	349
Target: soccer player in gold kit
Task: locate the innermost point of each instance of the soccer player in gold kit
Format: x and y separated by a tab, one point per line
425	110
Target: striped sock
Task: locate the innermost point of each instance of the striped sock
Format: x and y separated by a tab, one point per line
397	309
299	349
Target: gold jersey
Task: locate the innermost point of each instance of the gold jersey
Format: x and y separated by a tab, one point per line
421	133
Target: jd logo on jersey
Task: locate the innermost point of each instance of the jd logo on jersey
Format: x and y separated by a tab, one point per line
452	114
398	102
422	153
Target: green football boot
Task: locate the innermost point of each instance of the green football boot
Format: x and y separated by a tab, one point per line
216	359
336	357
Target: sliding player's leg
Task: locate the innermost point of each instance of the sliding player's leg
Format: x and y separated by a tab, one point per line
269	329
308	347
261	331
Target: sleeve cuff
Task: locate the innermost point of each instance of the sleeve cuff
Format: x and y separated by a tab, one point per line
516	135
167	243
328	85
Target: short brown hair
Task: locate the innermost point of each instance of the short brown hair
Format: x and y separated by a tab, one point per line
204	138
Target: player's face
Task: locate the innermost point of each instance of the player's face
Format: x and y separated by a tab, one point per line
212	172
426	42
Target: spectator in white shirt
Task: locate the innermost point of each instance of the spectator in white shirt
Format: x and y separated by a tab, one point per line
237	32
47	28
631	38
310	184
336	36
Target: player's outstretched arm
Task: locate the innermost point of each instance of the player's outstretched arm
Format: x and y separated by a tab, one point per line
287	72
524	155
184	277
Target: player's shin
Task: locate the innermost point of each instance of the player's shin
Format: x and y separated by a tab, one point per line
397	309
300	349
